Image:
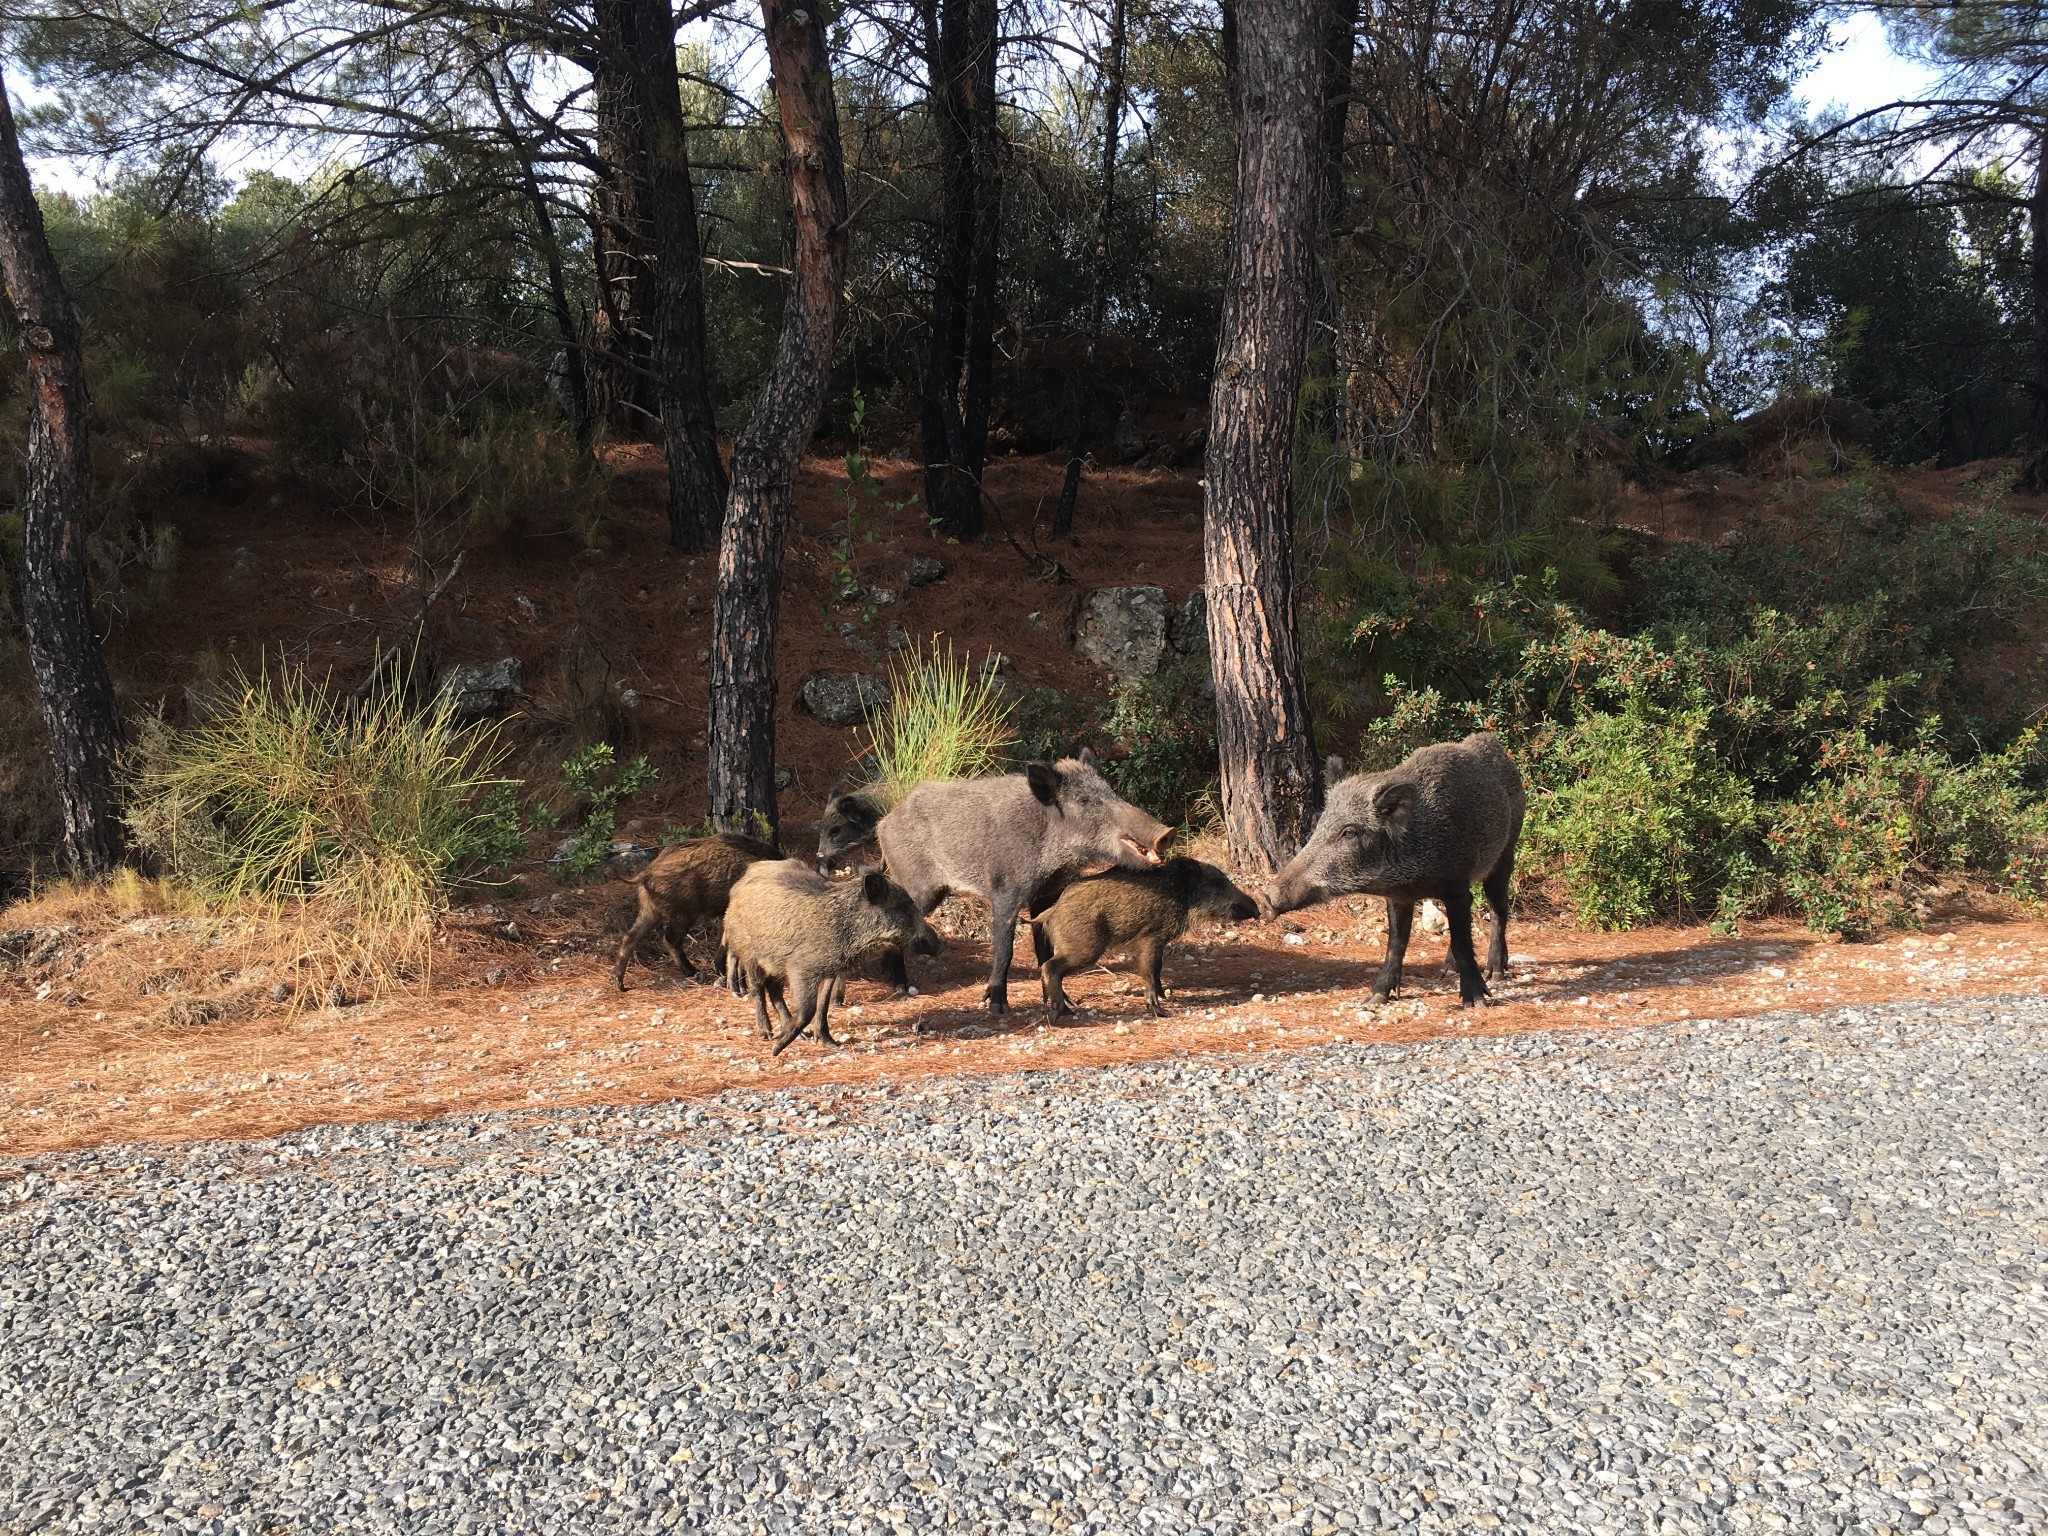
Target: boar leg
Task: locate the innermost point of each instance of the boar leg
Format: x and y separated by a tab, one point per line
1042	900
758	985
1458	908
1051	972
1497	902
644	922
1002	939
1151	956
1400	921
828	993
806	989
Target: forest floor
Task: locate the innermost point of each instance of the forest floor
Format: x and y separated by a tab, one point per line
557	1035
112	1034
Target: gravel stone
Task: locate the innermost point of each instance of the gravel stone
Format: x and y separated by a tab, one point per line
1775	1274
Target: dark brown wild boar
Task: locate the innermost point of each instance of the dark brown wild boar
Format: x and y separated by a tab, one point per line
1448	816
1142	910
1014	840
792	934
847	822
685	888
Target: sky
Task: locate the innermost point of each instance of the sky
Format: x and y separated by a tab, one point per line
1857	70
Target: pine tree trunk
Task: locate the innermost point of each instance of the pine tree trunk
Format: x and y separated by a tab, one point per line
960	362
1326	323
621	240
770	451
1098	296
689	425
1271	788
63	648
2034	472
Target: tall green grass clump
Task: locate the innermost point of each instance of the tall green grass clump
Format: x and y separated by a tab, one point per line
947	719
362	818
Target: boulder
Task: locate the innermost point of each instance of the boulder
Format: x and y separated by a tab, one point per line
481	693
923	570
1188	631
845	698
1123	630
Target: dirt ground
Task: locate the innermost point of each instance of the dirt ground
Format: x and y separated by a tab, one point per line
76	1074
106	1040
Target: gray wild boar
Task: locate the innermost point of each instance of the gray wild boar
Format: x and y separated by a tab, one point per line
847	822
1142	910
792	934
685	888
1014	840
1448	816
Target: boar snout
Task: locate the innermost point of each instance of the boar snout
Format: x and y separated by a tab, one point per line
928	942
1291	889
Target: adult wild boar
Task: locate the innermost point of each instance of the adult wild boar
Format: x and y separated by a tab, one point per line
1013	840
1448	816
793	934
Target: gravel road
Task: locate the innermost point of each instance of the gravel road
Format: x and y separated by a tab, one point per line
1779	1274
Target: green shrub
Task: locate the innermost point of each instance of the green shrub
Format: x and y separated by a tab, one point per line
367	817
1776	734
599	782
947	719
1637	818
1161	732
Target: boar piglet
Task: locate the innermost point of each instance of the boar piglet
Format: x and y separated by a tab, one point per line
1015	841
792	934
1142	910
684	889
1448	816
848	822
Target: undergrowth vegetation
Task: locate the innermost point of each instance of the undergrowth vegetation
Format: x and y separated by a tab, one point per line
359	820
947	719
1828	727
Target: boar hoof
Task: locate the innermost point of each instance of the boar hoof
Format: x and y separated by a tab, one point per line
997	998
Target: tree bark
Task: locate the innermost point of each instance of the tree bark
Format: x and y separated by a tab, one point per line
64	656
770	450
960	361
1098	296
1272	791
2034	472
689	426
650	318
620	239
1326	323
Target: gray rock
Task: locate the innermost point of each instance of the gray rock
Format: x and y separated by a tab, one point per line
923	570
481	693
844	698
1129	440
1123	630
628	858
1188	630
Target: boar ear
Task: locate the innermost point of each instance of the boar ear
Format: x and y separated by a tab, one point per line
1044	780
1394	804
874	888
1333	768
1086	757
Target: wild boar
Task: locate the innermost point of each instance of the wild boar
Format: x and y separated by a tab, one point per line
1142	910
686	888
847	822
1014	840
1448	816
792	934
